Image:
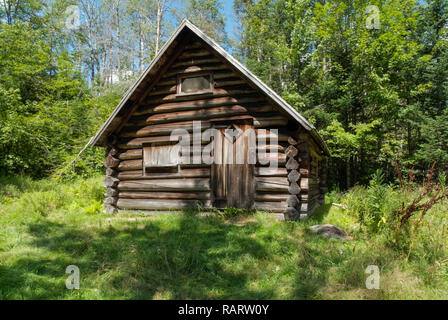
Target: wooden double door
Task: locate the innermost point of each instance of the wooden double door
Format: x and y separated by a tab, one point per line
232	173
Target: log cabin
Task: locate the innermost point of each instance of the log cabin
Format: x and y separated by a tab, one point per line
198	129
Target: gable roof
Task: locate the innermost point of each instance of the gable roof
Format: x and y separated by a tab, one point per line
160	60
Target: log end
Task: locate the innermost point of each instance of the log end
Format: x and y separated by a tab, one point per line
291	214
110	209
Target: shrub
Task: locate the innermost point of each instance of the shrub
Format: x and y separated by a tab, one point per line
46	196
374	205
333	196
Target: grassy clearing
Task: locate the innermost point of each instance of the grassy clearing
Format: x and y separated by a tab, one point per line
46	226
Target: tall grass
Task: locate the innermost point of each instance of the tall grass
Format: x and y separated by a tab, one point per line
374	205
423	242
47	225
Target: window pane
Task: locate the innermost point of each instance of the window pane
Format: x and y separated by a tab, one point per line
193	84
161	156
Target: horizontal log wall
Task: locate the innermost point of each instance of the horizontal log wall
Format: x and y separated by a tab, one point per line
311	164
189	185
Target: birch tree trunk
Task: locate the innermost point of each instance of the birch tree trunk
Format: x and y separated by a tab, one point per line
160	11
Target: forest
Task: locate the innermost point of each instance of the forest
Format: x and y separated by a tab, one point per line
370	75
376	92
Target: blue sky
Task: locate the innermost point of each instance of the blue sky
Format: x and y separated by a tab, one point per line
229	15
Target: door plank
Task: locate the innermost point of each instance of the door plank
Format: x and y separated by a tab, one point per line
233	184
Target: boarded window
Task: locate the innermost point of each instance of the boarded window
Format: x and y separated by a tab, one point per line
195	84
158	156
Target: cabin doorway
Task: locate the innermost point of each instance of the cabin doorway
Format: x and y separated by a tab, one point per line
233	169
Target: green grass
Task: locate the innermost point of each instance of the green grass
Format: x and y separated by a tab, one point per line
46	226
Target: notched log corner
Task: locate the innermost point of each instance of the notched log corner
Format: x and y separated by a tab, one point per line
291	214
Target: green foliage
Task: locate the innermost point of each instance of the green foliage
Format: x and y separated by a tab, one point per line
435	142
374	94
375	210
373	206
47	225
47	111
206	14
234	212
334	195
41	101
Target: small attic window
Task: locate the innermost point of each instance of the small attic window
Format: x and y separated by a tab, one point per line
195	84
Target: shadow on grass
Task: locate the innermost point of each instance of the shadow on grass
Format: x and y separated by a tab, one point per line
320	213
185	257
191	258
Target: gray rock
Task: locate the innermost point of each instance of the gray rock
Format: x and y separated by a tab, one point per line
329	231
